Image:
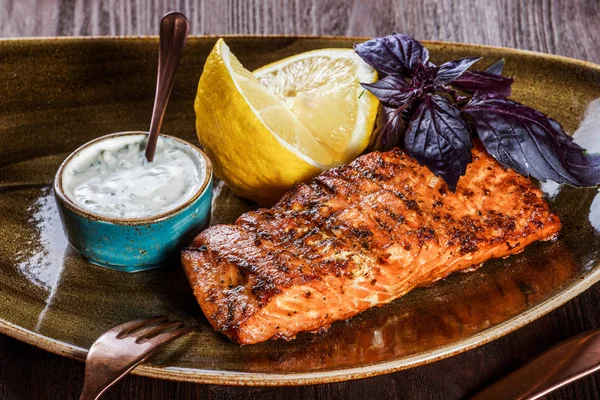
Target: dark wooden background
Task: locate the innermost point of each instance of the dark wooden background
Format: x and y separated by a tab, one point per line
566	27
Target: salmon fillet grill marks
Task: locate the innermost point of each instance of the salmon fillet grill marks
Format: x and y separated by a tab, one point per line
355	237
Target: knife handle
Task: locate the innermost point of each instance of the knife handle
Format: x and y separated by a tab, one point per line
561	364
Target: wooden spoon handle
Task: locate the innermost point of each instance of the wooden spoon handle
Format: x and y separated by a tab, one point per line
174	29
564	363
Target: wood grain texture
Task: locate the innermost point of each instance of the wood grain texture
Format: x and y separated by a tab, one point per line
565	27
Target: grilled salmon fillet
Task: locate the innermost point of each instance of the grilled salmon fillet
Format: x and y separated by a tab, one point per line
355	237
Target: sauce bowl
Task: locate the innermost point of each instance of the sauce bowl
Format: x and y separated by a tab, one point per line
134	244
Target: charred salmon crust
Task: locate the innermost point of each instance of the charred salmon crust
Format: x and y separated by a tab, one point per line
355	237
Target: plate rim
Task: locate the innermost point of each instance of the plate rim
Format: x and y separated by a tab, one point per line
234	378
329	375
556	57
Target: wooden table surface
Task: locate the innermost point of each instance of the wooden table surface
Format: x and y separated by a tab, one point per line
566	27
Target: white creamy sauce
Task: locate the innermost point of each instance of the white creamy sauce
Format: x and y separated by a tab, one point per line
113	178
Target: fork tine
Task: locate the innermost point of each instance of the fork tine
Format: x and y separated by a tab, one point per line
148	332
169	336
125	329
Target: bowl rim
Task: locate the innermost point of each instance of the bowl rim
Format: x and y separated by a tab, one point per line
74	207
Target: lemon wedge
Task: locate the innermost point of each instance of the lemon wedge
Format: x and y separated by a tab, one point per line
284	123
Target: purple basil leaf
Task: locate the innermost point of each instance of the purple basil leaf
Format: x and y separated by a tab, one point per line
451	70
484	82
393	54
392	90
496	68
533	144
389	130
479	96
487	83
438	136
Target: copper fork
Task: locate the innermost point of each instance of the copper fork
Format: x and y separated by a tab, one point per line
117	351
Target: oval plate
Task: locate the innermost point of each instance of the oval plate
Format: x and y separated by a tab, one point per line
59	93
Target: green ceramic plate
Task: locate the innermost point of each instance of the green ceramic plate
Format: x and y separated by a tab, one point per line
59	93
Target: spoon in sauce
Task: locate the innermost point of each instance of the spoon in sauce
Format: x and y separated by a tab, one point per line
174	29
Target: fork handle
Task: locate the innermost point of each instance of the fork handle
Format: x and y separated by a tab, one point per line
94	389
91	393
564	363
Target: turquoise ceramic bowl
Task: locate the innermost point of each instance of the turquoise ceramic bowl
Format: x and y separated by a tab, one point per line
132	245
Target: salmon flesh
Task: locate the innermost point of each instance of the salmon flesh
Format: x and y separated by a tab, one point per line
358	236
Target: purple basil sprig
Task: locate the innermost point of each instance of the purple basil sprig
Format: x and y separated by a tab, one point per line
424	107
